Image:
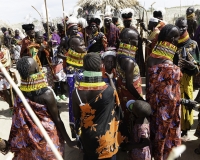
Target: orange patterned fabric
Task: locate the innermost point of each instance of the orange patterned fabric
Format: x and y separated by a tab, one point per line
99	125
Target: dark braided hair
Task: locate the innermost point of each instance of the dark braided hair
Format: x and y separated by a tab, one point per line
92	62
165	31
23	66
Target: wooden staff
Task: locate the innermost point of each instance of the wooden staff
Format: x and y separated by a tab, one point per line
31	112
47	20
37	11
64	16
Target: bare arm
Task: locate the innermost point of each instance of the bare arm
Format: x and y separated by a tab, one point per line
111	81
53	110
129	80
75	105
61	47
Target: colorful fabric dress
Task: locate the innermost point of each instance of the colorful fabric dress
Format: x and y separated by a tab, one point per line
197	35
99	123
26	140
187	49
25	43
6	61
163	94
74	73
140	131
112	35
127	51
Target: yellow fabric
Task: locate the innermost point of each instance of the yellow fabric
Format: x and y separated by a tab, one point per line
98	84
183	40
191	16
186	88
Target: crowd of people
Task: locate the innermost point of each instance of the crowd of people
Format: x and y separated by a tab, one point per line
102	64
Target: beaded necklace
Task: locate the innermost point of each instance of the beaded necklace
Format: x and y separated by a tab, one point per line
33	83
127	50
164	50
74	58
92	81
184	37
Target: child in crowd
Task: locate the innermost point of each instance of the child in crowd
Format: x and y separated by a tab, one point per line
139	147
108	66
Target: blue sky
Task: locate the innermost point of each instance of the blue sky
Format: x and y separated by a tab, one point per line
14	11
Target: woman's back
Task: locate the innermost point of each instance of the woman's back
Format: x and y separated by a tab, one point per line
99	122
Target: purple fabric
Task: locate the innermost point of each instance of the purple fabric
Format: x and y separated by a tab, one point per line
112	35
55	37
18	37
197	36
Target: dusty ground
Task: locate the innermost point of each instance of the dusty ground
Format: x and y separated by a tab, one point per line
73	154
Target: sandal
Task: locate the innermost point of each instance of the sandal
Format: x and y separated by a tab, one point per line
197	151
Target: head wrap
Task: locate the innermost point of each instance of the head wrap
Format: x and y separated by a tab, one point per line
159	12
108	13
108	53
72	21
127	13
82	22
152	19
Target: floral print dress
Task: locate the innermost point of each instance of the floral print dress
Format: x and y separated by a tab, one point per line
26	140
163	94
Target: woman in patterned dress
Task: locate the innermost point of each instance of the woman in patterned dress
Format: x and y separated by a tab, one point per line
26	140
163	93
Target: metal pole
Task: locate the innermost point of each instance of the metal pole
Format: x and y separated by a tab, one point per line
30	111
64	16
47	20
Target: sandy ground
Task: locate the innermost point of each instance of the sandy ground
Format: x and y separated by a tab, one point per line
73	154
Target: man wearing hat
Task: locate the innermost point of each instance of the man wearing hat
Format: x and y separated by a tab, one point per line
29	29
159	13
153	22
97	40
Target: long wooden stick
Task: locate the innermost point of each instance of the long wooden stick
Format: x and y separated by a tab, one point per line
31	112
64	16
37	11
47	17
